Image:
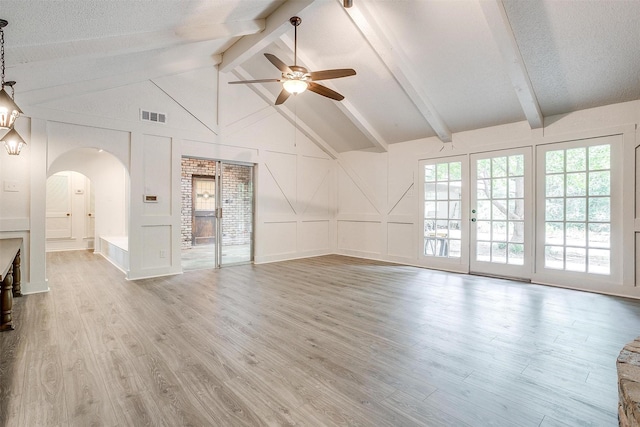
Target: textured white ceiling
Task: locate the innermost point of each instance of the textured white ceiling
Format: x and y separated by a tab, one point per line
424	67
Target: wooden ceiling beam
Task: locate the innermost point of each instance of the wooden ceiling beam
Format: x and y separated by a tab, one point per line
276	25
398	65
498	22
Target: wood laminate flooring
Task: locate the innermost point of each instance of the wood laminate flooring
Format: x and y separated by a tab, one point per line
316	342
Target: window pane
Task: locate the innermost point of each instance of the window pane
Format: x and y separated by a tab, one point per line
429	173
484	209
577	209
600	183
554	233
554	210
442	190
443	210
555	186
499	231
576	159
484	168
499	253
516	231
499	211
576	184
599	261
483	251
484	189
576	259
600	157
454	210
483	230
554	161
430	209
499	188
442	171
554	257
599	235
430	191
516	187
455	249
516	254
599	209
516	208
516	165
455	171
576	234
499	167
455	190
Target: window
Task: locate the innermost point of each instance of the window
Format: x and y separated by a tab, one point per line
577	209
442	209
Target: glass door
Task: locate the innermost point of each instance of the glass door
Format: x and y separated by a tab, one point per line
501	213
444	218
236	214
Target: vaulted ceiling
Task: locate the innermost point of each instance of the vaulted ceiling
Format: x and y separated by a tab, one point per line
424	68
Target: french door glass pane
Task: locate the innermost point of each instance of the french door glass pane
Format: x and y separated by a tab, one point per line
500	210
442	209
578	209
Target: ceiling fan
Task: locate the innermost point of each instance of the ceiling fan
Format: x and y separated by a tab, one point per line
296	79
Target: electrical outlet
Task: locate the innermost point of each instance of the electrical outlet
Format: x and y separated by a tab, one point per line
163	254
11	186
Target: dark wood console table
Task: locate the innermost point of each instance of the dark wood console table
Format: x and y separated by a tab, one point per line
9	280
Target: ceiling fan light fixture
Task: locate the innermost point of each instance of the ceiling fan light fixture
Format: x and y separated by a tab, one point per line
295	86
13	142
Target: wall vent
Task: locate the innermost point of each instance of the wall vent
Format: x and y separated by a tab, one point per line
150	116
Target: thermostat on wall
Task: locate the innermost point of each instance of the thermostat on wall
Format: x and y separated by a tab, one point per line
148	198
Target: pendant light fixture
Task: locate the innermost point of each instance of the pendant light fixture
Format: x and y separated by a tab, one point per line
13	142
9	111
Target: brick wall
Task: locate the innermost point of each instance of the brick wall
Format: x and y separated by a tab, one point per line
237	200
237	204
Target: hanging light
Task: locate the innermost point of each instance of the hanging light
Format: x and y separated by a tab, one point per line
9	111
13	142
295	86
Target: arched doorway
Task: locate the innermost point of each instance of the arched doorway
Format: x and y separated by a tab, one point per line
94	186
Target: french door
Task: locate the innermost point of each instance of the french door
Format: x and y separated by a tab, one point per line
501	213
477	213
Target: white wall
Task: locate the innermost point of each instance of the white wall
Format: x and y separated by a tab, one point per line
378	200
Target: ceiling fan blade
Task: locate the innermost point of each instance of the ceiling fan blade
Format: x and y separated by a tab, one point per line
332	74
278	63
255	81
325	91
282	97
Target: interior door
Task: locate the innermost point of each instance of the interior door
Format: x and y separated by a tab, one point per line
501	213
204	211
58	206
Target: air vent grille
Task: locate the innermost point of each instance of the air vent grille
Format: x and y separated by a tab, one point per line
151	116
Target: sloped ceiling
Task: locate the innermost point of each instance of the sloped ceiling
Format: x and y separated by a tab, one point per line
424	68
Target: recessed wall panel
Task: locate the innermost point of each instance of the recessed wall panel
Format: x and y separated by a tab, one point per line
360	236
